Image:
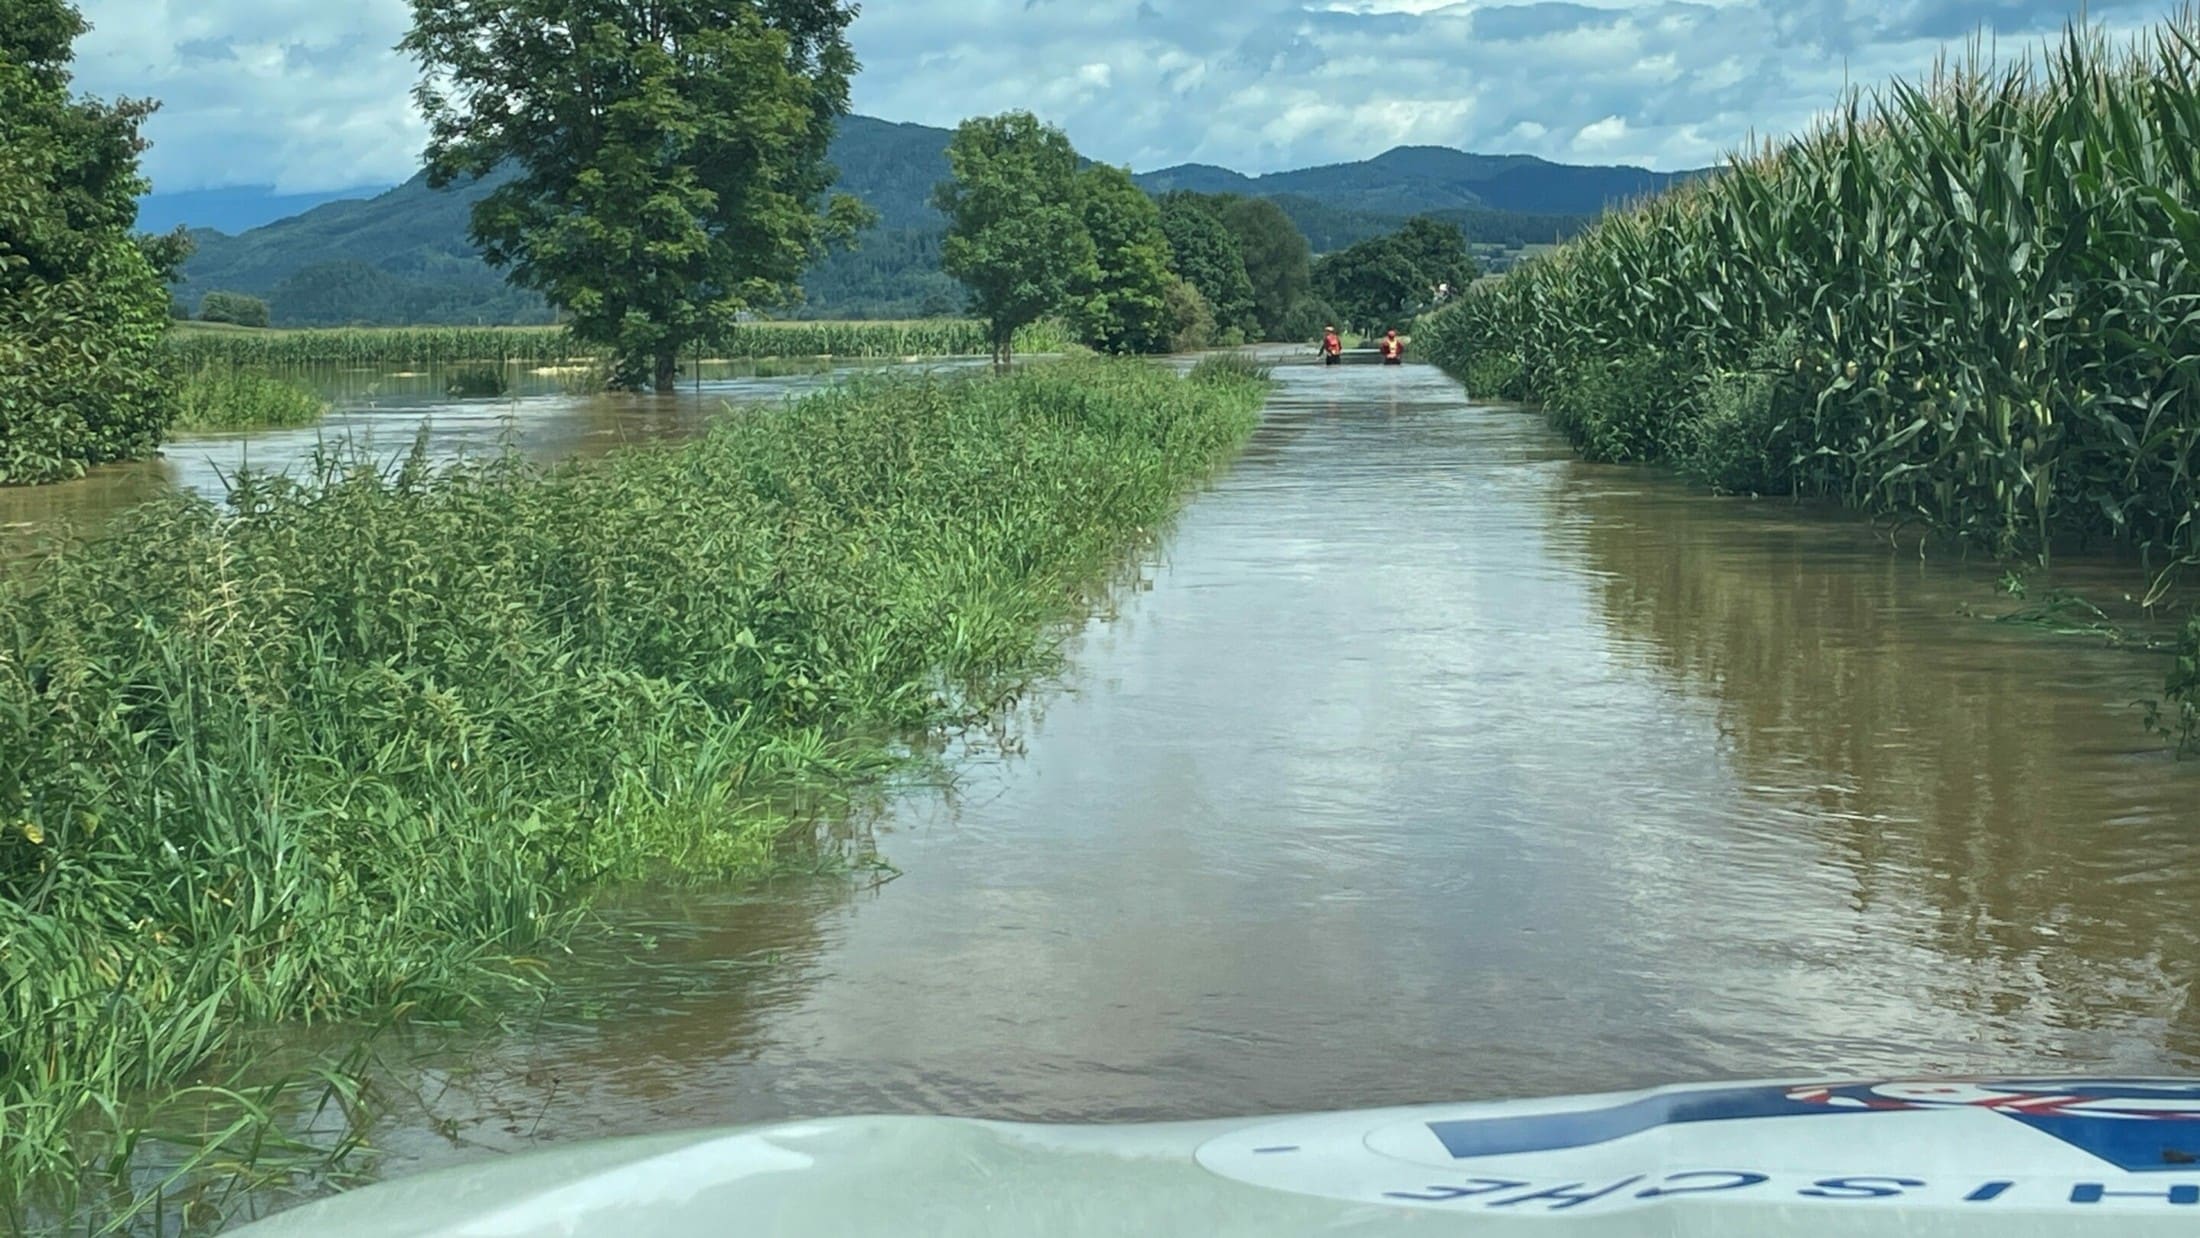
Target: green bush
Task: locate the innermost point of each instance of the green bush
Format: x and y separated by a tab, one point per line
1303	322
220	397
82	302
1229	367
234	308
1742	435
1622	408
1492	376
1191	321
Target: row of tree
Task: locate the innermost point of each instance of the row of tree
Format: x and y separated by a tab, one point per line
1389	280
1034	230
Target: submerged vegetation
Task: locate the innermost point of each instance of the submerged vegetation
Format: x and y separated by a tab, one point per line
474	381
357	745
1966	305
222	397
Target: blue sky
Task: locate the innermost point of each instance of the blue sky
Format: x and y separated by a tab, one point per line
307	96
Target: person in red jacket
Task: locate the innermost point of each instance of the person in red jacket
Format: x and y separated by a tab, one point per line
1394	349
1332	347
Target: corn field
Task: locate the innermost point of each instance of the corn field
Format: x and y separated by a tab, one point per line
1969	304
434	346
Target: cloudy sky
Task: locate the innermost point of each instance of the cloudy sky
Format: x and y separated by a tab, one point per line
306	95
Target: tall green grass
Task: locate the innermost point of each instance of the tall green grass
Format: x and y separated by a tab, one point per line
1967	304
225	397
361	744
433	346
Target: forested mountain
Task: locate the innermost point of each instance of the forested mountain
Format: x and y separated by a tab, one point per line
403	256
1418	180
234	210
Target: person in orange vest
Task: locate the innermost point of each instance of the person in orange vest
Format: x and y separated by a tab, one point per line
1332	347
1394	349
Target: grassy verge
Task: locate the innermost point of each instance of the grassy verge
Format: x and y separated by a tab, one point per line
194	343
221	397
1951	306
359	746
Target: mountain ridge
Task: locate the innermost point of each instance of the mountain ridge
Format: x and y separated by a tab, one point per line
403	254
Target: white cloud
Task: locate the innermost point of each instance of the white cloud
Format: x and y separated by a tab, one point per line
307	94
1602	136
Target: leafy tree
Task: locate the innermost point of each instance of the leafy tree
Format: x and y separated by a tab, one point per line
1382	282
83	302
1306	318
1438	250
1370	283
233	307
1015	236
1278	265
1125	307
1191	320
668	156
1206	254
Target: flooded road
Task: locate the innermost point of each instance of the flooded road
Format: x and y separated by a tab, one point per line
1427	762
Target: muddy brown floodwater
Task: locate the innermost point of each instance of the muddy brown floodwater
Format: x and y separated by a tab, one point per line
1427	762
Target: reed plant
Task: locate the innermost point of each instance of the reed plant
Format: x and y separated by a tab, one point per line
359	744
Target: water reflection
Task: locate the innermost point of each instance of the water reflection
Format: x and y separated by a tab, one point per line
1985	794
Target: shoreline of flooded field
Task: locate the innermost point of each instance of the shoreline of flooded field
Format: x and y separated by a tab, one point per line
379	412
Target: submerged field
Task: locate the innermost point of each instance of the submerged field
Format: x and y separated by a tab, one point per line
362	745
947	337
1966	306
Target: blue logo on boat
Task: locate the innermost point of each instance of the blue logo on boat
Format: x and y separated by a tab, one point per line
2138	1126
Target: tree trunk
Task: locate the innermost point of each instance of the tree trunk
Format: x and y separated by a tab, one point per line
668	369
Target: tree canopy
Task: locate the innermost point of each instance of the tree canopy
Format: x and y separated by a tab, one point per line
1029	234
1125	307
1437	248
1383	281
1206	254
668	155
1278	265
83	300
1016	237
233	307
